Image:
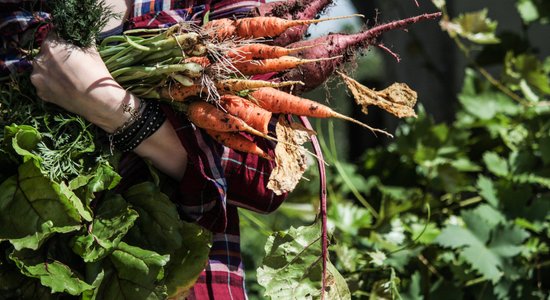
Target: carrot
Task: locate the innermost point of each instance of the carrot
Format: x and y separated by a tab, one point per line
277	101
261	51
201	60
254	67
295	10
255	116
236	85
237	141
178	92
257	27
207	116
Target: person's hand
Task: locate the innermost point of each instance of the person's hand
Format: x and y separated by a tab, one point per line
78	81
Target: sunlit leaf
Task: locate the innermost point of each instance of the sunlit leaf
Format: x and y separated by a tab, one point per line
474	26
292	267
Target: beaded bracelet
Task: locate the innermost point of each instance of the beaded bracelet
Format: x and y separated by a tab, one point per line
147	121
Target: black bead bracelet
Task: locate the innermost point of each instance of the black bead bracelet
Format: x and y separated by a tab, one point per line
145	123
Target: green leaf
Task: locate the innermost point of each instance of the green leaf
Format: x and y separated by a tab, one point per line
112	221
53	274
534	11
24	140
159	226
487	190
292	267
496	164
187	263
133	273
526	73
29	200
473	242
414	292
349	218
474	26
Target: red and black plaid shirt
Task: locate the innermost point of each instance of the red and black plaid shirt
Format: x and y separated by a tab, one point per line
218	180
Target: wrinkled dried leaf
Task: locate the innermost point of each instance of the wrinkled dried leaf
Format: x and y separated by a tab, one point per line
397	99
290	161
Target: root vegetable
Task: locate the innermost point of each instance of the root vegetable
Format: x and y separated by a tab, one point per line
255	116
295	10
254	67
257	27
343	45
237	141
277	101
261	51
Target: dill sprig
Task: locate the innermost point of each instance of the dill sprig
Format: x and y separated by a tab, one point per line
80	21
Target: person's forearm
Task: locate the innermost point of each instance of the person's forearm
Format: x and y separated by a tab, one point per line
165	151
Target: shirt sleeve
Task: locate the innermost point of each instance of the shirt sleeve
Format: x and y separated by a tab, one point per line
23	24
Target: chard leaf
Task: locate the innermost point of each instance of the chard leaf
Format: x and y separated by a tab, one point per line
189	260
29	200
292	267
112	221
53	274
133	273
159	226
24	140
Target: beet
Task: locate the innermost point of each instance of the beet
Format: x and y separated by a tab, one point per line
337	44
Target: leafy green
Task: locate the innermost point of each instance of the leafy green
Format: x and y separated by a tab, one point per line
133	273
474	26
486	248
112	221
53	274
292	267
534	11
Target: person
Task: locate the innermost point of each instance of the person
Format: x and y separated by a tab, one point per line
214	181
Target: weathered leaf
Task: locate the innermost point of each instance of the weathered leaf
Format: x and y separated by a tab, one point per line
133	273
112	221
474	26
397	99
29	200
290	161
292	267
53	274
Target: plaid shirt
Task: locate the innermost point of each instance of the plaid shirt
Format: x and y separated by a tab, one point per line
218	180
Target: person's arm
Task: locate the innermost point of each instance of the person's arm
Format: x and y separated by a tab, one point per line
79	81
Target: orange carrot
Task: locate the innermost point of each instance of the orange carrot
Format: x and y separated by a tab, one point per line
255	116
207	116
178	92
254	67
261	51
237	141
277	101
201	60
236	85
257	27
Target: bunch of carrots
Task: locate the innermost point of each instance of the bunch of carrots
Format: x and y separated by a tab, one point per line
217	62
211	69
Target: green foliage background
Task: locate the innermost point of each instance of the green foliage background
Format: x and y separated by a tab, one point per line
455	210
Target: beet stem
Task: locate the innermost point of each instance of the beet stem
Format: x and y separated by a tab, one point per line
323	203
